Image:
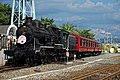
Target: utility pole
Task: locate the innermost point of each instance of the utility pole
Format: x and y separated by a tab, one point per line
21	9
111	40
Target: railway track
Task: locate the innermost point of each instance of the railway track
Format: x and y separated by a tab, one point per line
101	74
9	68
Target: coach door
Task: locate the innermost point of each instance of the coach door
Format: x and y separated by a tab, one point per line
65	38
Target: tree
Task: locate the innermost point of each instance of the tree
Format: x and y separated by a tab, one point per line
48	21
72	29
4	13
85	33
68	27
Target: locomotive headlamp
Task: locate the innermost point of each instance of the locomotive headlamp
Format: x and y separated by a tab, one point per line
24	26
22	39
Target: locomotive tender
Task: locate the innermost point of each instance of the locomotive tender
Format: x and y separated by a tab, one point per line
39	44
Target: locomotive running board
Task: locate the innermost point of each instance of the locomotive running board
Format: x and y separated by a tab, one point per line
46	47
50	47
58	44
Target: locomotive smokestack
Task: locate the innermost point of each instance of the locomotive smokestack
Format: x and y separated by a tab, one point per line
28	21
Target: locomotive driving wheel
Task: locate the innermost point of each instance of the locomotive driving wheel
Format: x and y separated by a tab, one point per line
29	61
18	58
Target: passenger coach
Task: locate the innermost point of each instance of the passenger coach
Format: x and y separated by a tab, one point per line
85	46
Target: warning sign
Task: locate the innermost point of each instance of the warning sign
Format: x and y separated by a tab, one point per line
22	39
67	54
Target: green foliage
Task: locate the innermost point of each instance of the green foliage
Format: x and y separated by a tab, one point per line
48	21
85	33
68	27
72	29
115	49
4	13
107	47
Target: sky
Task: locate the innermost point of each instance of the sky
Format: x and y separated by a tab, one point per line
85	14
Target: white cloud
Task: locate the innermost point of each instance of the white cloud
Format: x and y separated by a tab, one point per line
116	16
75	18
70	19
89	6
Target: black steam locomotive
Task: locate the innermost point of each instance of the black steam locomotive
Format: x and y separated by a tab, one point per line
38	44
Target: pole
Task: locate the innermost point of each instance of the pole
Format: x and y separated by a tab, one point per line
34	43
67	50
13	10
111	39
104	40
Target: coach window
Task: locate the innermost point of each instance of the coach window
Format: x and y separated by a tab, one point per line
99	45
81	42
90	43
93	44
86	43
96	45
76	40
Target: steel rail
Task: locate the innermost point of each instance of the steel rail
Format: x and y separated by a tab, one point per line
11	68
95	72
111	75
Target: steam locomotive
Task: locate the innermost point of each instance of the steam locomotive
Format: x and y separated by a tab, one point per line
39	44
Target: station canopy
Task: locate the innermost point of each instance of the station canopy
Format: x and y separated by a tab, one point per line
8	29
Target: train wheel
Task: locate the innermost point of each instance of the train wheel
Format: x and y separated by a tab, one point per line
78	55
49	58
56	58
30	61
14	62
94	54
42	61
18	58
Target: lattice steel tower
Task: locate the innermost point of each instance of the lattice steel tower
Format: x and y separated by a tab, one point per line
21	9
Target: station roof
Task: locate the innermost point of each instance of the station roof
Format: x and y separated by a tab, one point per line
3	29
